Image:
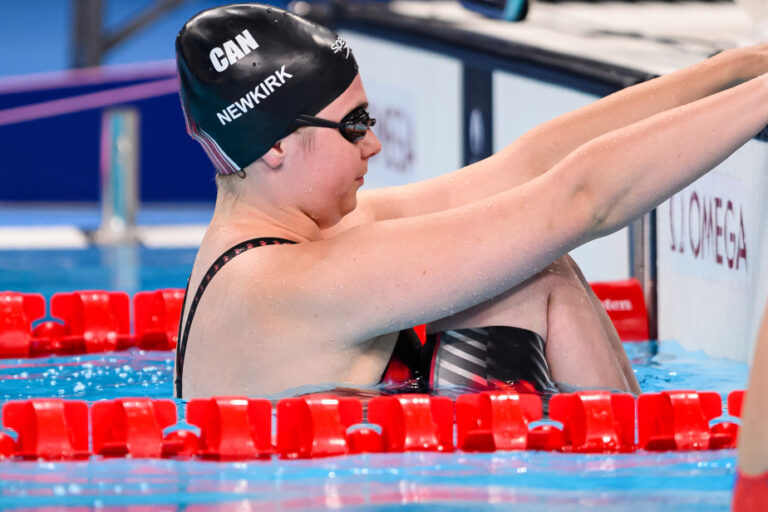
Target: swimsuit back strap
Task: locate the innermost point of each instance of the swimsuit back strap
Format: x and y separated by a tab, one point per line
240	248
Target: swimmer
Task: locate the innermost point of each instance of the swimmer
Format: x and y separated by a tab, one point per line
301	280
751	492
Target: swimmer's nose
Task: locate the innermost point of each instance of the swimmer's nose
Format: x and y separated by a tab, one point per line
371	144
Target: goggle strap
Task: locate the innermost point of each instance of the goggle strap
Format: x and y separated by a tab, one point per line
307	120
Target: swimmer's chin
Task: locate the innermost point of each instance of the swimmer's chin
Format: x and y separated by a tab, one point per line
324	223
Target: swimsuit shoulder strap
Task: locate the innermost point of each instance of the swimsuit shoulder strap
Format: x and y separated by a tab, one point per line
240	248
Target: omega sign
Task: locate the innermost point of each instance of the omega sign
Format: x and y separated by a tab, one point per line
706	225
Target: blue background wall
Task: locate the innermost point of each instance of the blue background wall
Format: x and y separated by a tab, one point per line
35	36
57	159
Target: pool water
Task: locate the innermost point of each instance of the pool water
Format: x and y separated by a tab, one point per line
126	268
691	481
410	481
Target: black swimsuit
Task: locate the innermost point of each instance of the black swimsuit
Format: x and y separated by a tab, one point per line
476	359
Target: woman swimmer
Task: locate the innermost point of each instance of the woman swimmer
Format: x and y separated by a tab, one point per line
478	254
751	492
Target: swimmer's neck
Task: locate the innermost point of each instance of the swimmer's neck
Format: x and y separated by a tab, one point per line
252	215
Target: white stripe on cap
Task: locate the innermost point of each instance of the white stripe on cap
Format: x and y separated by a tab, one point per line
225	164
222	162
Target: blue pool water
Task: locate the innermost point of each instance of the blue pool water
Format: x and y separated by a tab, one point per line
697	481
125	268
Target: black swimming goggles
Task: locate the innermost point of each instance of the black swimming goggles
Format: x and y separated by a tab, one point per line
353	127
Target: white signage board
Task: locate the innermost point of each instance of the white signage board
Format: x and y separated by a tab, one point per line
520	104
713	257
416	98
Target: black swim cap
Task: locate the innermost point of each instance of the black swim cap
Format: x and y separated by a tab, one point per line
247	71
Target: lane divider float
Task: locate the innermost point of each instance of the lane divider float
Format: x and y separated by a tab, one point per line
88	321
239	428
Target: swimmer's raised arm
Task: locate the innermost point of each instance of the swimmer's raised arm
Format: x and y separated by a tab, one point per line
447	261
546	145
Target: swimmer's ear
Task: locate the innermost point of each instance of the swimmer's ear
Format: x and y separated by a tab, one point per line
275	156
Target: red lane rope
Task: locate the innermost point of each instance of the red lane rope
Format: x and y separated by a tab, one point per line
240	428
88	322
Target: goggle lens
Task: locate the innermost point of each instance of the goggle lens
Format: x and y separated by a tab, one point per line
356	124
353	127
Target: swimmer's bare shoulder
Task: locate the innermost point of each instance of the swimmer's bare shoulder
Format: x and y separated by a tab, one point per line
246	330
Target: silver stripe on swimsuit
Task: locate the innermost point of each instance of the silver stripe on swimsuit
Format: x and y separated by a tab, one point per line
459	371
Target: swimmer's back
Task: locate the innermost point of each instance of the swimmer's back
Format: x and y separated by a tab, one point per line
244	339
